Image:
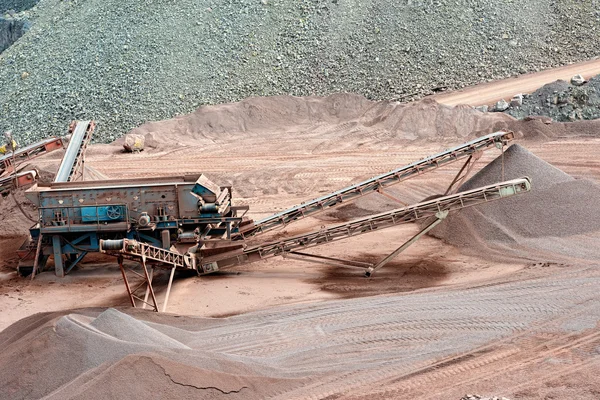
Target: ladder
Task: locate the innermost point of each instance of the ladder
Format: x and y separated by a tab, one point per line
470	150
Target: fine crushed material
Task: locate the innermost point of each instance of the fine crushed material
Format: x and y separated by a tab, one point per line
556	218
355	348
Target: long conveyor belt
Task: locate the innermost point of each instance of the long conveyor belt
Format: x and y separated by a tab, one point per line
412	213
72	165
377	183
427	209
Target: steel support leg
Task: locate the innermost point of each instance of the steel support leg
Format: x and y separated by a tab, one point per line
168	289
36	261
149	283
58	260
464	171
440	216
129	293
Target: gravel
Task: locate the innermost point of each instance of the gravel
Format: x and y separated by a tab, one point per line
124	63
562	101
555	218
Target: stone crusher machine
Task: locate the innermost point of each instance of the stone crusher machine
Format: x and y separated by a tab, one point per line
190	223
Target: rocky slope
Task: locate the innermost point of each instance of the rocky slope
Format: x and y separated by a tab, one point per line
124	63
562	101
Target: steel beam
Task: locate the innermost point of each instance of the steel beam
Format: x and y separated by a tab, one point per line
58	260
439	217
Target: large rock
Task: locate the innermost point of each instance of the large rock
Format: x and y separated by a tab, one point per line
134	142
502	105
577	80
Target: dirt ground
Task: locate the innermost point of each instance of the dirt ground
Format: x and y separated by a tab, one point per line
274	170
271	182
490	93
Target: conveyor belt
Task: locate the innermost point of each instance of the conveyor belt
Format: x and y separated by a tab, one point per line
376	222
29	152
377	183
71	166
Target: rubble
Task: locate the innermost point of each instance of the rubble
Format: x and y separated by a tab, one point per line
577	80
562	101
141	62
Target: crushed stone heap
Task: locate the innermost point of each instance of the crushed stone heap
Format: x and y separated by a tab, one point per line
123	63
556	219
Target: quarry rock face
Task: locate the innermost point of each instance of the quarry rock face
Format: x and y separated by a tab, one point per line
140	61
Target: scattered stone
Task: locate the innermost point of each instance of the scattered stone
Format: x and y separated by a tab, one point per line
577	80
517	100
482	109
502	105
562	101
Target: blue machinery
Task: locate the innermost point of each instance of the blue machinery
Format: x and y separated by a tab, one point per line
190	223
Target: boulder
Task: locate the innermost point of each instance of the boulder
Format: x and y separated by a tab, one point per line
577	80
502	105
134	142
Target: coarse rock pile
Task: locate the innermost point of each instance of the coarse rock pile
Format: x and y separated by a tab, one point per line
562	101
556	219
125	63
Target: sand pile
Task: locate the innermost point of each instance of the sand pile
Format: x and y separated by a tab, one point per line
117	356
345	118
556	219
340	117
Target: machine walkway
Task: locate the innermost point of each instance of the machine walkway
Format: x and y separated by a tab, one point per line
470	150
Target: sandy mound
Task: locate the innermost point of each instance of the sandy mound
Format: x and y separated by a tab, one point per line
102	357
340	114
345	117
555	220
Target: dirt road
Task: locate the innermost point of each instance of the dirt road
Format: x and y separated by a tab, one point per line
489	93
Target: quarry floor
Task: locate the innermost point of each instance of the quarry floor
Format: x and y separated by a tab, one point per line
281	181
271	175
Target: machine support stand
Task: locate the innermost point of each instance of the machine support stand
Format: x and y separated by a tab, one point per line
464	171
168	289
147	281
129	292
36	260
440	216
58	260
149	288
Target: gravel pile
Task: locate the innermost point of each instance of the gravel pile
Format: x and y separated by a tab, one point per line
562	101
554	218
124	63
